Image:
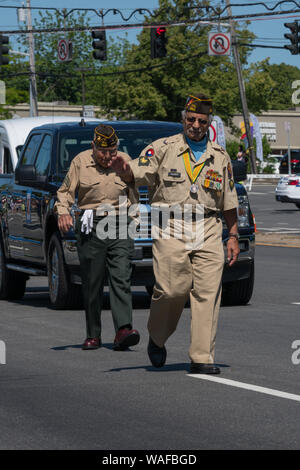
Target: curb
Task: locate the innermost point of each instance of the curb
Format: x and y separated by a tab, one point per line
275	239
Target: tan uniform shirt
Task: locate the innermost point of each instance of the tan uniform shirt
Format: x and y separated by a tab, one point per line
95	185
161	167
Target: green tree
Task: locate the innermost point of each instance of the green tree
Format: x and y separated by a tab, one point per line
282	77
160	93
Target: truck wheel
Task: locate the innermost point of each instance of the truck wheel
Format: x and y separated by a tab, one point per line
12	283
63	294
238	292
298	205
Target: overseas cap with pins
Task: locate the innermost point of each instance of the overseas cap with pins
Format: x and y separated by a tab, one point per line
105	136
199	104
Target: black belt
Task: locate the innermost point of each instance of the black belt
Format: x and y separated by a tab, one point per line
194	215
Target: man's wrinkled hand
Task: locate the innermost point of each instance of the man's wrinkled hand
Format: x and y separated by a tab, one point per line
121	167
233	250
65	222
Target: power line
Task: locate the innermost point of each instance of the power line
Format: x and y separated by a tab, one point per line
119	72
147	25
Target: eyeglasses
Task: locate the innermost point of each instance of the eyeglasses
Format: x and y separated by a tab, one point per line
202	122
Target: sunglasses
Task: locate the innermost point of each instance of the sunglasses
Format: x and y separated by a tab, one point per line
202	122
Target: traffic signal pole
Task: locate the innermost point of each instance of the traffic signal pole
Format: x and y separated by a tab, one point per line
242	91
33	87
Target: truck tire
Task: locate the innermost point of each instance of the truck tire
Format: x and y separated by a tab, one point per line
238	292
12	283
298	205
63	294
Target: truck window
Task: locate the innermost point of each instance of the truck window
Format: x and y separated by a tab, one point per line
7	163
131	142
31	148
42	163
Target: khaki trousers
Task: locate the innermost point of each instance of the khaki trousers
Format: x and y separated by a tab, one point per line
181	273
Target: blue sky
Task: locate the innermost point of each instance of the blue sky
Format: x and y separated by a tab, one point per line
269	31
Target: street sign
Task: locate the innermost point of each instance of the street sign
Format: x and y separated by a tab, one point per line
219	44
64	50
88	111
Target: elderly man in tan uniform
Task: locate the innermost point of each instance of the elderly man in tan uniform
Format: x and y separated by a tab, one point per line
99	186
188	169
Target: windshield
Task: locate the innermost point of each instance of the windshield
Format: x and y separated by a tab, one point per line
131	142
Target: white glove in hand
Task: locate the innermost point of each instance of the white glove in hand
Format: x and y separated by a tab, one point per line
87	221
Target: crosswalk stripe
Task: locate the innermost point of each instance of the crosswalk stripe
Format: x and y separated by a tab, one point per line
246	386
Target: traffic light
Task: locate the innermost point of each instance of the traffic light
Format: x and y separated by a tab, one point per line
294	37
158	42
99	45
4	59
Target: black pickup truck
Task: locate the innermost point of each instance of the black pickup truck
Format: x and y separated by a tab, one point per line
31	244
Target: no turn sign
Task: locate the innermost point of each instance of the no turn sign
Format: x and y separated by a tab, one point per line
219	44
64	50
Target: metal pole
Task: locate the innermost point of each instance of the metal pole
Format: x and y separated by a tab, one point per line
242	91
289	150
33	88
83	90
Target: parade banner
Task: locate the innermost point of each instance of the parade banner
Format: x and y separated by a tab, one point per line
220	132
257	135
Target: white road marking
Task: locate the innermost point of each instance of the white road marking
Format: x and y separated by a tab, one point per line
257	194
254	388
279	230
295	303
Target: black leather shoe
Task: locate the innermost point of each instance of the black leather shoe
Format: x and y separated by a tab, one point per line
201	368
156	354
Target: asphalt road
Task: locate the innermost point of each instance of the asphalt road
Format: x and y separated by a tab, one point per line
53	395
273	216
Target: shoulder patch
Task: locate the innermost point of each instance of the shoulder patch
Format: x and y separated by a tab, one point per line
150	152
144	161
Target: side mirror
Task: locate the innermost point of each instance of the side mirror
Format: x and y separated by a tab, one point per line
26	174
239	170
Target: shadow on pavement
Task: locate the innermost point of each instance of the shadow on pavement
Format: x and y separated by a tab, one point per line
167	368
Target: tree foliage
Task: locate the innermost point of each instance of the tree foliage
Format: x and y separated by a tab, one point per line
154	89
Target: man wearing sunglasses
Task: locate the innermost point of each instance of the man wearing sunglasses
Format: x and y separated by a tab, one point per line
188	169
98	185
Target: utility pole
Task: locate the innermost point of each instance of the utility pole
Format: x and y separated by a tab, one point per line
242	90
33	88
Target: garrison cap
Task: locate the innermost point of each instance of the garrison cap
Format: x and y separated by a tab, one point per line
105	136
199	104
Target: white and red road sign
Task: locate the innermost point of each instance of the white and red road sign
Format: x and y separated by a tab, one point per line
64	50
219	44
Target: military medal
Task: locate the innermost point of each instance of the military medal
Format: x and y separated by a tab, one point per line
193	174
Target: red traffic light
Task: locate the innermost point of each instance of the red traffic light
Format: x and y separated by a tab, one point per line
160	31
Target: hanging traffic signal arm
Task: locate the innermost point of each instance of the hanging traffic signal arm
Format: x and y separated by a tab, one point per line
99	45
293	37
158	42
4	59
